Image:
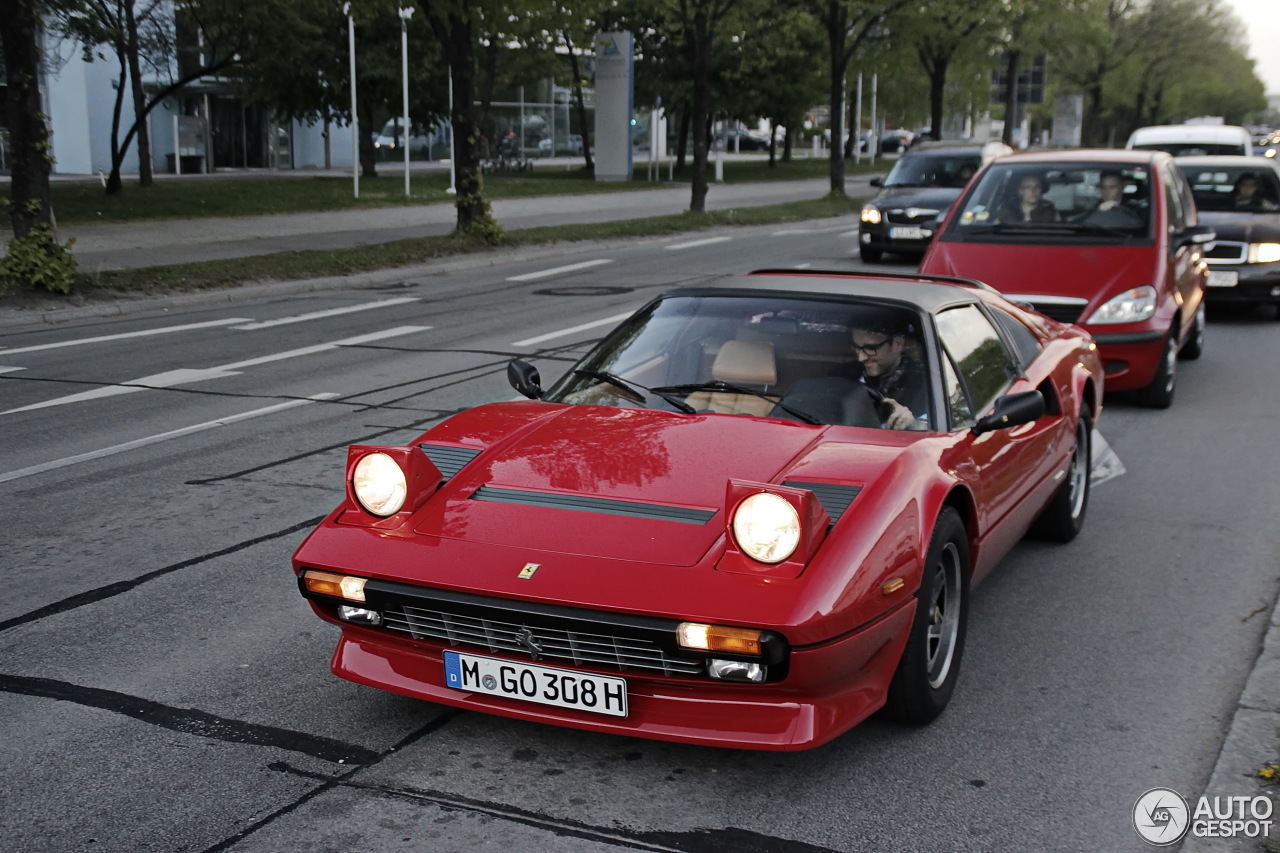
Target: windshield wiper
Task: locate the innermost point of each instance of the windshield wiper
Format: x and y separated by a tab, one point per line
720	385
636	388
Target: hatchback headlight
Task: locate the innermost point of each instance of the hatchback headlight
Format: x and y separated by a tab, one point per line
1264	253
871	215
766	527
1132	306
379	484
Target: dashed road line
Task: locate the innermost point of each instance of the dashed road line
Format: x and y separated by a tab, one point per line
331	312
531	276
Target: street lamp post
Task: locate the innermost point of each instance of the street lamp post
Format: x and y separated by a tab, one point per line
405	14
355	121
453	159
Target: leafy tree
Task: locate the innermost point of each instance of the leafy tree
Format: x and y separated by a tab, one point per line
941	32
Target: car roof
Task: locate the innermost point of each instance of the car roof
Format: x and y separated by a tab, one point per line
1188	133
929	293
1228	161
1118	156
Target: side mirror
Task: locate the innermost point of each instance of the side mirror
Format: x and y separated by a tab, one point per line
524	377
877	180
1012	410
1197	235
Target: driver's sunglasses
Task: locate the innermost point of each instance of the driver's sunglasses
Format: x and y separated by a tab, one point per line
872	349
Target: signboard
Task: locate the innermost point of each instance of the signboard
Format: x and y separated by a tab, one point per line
615	91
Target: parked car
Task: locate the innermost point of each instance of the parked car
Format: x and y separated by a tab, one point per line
572	144
742	140
1189	140
1040	228
1239	197
701	533
393	132
895	141
921	186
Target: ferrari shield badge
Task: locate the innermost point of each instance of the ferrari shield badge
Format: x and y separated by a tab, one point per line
527	571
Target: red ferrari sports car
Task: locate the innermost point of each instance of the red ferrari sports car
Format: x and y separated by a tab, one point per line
749	517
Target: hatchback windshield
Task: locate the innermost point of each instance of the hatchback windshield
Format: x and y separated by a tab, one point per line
1076	201
933	170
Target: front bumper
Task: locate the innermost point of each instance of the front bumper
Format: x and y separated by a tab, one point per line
881	238
829	688
1257	284
1129	359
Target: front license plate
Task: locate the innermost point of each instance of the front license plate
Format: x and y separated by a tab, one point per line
1223	278
545	685
908	232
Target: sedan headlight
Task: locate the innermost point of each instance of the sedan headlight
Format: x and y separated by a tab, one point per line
871	215
1132	306
766	527
1264	253
379	484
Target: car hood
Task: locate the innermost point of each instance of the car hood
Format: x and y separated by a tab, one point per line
1095	273
1243	227
930	198
606	482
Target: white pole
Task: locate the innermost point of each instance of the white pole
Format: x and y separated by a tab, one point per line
553	116
177	147
355	122
453	160
874	144
857	127
405	15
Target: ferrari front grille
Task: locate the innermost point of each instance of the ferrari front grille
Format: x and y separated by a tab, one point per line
538	642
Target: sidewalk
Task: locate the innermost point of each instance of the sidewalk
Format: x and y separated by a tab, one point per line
124	246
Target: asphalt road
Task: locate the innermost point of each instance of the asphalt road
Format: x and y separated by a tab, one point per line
164	687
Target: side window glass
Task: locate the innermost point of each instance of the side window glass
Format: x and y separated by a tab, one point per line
984	365
958	408
1173	200
1025	343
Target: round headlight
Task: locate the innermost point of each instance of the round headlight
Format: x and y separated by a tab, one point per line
766	528
379	484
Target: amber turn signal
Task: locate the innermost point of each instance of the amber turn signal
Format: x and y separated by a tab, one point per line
339	586
718	638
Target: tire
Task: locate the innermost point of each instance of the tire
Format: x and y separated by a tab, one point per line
1193	348
871	256
1159	394
1064	516
930	665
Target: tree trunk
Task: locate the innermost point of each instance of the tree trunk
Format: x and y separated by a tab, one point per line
839	61
581	107
368	155
114	184
1011	96
30	203
787	140
139	97
454	31
937	89
682	146
701	66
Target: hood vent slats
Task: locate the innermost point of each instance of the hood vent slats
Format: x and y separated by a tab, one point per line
835	498
450	460
583	503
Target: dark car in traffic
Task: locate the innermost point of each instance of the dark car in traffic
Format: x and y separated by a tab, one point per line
920	187
1240	198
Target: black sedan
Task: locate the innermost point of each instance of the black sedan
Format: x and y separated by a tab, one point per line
1239	197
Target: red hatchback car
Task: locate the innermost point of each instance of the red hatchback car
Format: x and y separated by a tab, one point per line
1106	239
704	531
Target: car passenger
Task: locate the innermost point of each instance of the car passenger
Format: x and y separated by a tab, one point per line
892	373
1030	204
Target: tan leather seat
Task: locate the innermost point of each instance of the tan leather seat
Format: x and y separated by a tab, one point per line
749	363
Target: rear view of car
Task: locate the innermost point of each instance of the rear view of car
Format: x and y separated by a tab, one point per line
1106	239
1240	198
1191	140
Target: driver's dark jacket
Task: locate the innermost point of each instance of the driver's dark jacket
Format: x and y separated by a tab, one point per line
907	385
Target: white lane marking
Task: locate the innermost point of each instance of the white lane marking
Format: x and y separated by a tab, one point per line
185	375
528	342
851	234
787	232
1106	464
331	312
156	439
10	369
691	244
142	334
530	276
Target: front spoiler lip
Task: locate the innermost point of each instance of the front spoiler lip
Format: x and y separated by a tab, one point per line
1122	338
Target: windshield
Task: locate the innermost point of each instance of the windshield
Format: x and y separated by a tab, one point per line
933	170
1238	188
752	355
1195	149
1090	202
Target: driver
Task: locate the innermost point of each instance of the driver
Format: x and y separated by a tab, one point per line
891	372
